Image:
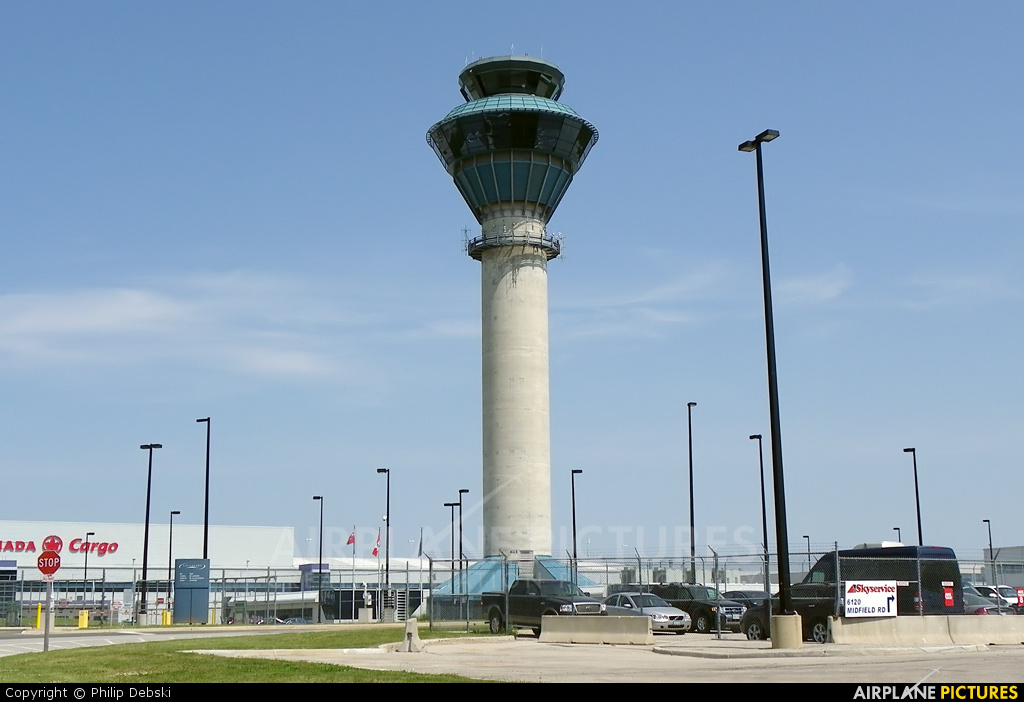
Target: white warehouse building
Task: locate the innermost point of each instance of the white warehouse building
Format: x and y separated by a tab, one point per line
253	569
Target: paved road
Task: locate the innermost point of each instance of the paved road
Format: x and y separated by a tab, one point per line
690	658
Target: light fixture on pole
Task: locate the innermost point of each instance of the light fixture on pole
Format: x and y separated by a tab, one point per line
781	528
693	547
145	536
320	557
170	547
387	532
917	495
85	575
572	478
206	508
764	522
899	534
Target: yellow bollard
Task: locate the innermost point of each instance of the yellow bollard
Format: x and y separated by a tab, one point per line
83	619
39	616
165	618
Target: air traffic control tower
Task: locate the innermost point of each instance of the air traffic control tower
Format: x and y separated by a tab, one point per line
512	151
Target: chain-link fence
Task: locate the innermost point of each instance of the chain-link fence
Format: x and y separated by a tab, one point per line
114	596
449	590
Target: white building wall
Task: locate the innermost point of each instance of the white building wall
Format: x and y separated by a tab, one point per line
121	545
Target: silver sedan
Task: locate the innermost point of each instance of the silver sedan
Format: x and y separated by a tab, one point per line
664	617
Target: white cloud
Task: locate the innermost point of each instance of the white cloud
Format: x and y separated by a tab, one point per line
645	312
813	289
242	322
939	290
87	312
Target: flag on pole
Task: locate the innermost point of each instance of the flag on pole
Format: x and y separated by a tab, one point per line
351	539
376	549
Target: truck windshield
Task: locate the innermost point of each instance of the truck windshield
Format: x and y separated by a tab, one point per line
559	588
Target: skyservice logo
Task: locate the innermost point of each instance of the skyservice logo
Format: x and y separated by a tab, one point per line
863	589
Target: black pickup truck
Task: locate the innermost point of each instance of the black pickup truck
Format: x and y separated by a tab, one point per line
529	600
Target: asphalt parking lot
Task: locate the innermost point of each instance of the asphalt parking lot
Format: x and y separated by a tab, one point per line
688	658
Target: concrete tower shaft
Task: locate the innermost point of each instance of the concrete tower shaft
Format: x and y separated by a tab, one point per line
512	151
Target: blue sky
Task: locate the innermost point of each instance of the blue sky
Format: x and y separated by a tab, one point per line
229	209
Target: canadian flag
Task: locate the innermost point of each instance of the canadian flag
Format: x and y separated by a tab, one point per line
376	549
351	539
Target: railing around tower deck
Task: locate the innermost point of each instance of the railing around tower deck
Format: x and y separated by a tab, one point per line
550	243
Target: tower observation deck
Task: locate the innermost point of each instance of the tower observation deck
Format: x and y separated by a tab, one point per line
512	150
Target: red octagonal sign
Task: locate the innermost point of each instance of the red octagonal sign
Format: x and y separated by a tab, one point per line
49	562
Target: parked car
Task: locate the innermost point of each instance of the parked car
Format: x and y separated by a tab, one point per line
705	605
756	623
978	604
993	592
750	598
664	617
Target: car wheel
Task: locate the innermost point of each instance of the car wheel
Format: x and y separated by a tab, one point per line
819	631
495	623
756	632
702	623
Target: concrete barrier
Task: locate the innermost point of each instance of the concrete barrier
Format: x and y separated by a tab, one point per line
597	629
986	629
411	643
930	630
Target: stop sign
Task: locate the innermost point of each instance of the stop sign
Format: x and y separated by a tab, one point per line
49	562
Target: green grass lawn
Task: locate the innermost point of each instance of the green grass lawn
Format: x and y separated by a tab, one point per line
167	662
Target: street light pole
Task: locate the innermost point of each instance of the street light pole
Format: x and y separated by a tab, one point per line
170	550
387	531
572	478
320	558
462	555
85	575
453	505
145	536
781	529
764	522
808	551
206	509
992	557
917	495
899	534
693	548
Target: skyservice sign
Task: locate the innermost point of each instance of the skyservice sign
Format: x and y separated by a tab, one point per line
870	598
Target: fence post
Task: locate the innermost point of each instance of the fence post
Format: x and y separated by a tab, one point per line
920	587
430	583
839	584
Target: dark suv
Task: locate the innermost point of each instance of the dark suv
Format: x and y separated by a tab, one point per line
927	580
707	608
